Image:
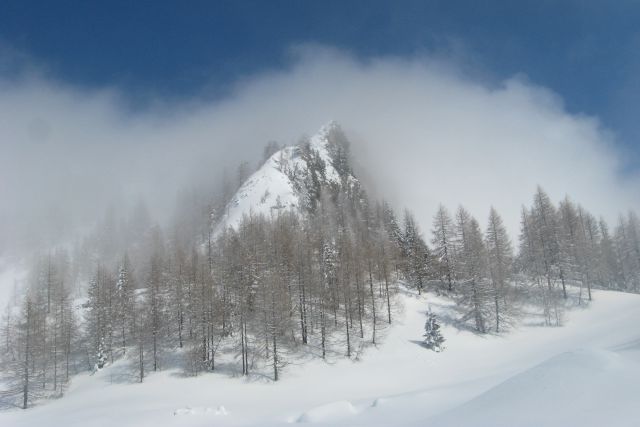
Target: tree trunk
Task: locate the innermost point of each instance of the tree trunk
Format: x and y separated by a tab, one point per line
373	304
27	351
301	308
359	298
386	285
496	299
346	326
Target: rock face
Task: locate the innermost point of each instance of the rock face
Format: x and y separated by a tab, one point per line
294	178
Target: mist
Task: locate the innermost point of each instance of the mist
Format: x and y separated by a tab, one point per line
423	132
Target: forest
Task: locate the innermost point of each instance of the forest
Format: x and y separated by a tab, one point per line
320	281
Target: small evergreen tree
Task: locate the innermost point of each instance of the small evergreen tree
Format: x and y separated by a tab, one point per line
433	338
101	356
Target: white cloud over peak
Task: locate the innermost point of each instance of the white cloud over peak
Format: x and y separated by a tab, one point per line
424	132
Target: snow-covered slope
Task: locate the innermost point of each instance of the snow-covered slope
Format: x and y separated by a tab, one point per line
268	189
584	373
580	387
281	182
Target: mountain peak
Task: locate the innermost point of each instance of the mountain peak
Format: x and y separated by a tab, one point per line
285	179
323	136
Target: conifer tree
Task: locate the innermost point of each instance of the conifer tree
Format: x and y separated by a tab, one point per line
433	338
476	293
123	313
415	252
443	246
500	260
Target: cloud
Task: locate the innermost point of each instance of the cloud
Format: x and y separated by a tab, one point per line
424	131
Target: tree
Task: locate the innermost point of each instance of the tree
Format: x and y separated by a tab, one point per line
475	290
415	252
433	338
627	241
125	287
443	249
589	251
540	251
139	335
100	316
571	245
155	306
63	329
500	261
545	219
609	262
22	382
531	263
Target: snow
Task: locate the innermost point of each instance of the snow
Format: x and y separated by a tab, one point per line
219	411
318	142
267	190
270	188
584	373
581	387
328	412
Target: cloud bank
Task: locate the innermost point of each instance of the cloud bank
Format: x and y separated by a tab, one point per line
423	131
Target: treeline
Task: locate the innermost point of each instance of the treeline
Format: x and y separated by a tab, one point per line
321	283
558	247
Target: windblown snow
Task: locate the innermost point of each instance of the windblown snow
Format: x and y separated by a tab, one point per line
585	373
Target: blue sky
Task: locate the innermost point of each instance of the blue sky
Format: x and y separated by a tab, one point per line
587	52
426	89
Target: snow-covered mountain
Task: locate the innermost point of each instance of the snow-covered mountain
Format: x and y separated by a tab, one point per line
292	178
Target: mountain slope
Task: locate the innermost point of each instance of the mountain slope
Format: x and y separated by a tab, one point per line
292	177
591	387
400	383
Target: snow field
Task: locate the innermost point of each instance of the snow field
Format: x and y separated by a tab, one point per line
584	373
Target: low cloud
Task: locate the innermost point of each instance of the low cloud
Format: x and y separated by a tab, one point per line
423	131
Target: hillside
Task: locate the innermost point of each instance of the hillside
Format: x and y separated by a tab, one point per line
307	284
478	380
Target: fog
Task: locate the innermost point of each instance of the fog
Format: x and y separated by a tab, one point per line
423	132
